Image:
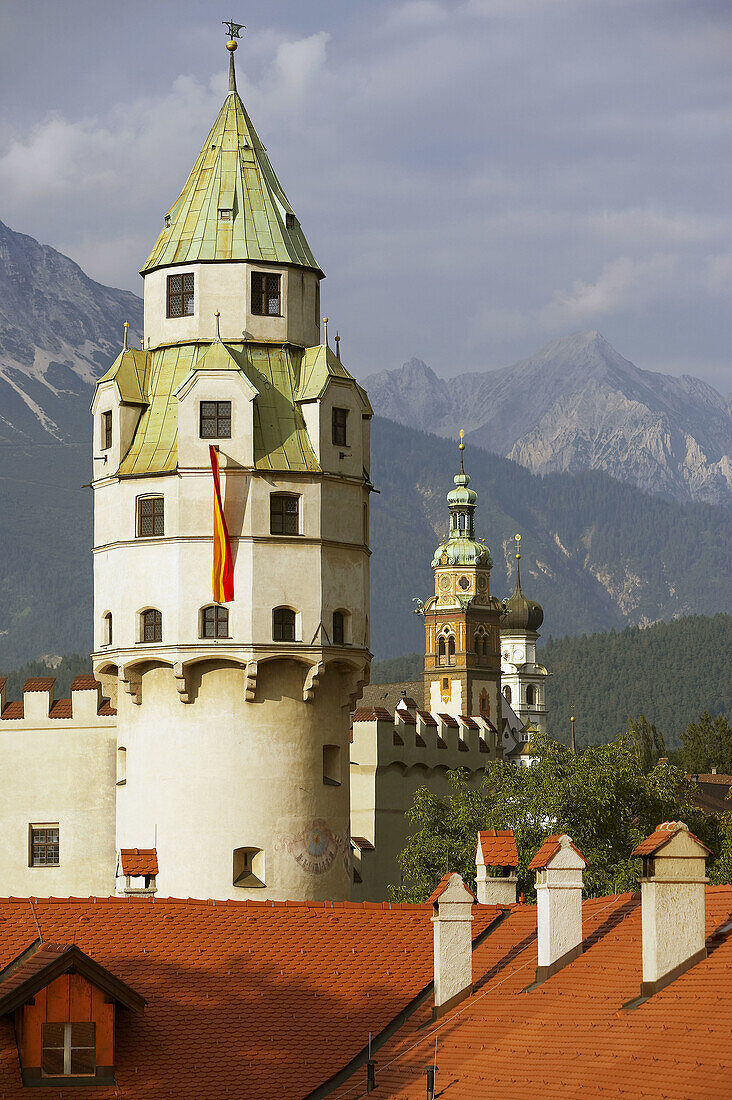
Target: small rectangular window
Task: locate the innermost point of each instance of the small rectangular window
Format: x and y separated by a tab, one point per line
266	298
290	221
44	846
340	426
180	295
150	517
106	430
226	214
68	1050
215	622
152	625
284	514
283	624
215	419
332	765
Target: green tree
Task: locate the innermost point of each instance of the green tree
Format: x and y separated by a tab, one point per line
707	744
601	797
648	742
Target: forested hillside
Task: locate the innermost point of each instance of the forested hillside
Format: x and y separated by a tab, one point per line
669	672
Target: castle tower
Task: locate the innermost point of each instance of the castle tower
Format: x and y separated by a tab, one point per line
462	670
523	678
232	742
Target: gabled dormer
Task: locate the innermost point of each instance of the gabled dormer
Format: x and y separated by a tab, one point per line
63	1005
119	400
215	406
336	410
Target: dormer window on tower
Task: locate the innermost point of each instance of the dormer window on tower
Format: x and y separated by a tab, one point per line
180	295
226	214
266	294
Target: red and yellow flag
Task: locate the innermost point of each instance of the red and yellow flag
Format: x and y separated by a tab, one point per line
223	567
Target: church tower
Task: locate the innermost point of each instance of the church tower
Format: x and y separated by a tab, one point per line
462	669
233	712
523	678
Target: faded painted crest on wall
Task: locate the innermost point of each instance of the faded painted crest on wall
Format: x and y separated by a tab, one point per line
316	847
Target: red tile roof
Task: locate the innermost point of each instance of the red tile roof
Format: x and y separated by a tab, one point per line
448	719
661	836
106	709
61	708
371	714
405	717
407	701
138	861
264	1000
39	683
469	722
46	961
85	682
549	848
427	718
571	1036
442	886
498	848
13	710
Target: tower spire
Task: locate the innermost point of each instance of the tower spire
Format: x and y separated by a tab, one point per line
517	540
461	448
232	29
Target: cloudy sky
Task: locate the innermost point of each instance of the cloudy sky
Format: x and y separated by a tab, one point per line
476	177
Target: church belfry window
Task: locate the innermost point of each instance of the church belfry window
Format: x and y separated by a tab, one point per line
215	419
106	430
180	295
266	294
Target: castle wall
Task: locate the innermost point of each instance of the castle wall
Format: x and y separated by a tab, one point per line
222	774
58	771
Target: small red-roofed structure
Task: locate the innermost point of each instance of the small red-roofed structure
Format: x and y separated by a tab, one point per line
661	835
138	863
496	860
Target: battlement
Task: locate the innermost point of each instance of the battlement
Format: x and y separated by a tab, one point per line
39	709
411	736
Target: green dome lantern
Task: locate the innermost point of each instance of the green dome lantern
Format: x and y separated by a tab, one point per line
461	547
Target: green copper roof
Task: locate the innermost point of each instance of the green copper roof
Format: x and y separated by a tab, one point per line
460	547
319	365
233	173
280	438
521	613
129	371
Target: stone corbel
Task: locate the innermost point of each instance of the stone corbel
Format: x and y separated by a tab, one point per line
251	684
132	683
311	682
355	683
180	681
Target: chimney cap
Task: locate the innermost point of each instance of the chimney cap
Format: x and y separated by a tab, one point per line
451	888
551	848
661	836
497	848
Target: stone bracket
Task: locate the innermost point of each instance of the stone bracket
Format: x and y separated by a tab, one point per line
180	680
132	683
251	683
311	682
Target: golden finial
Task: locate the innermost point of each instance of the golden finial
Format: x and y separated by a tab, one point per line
125	326
218	331
338	346
517	540
325	326
461	448
232	29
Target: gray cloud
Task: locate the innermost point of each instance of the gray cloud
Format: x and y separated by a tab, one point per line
475	176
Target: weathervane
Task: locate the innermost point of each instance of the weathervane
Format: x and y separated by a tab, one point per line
232	29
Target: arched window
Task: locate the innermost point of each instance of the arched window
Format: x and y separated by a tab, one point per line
107	628
441	652
283	624
284	514
152	625
451	650
485	704
215	621
530	695
339	628
507	693
150	516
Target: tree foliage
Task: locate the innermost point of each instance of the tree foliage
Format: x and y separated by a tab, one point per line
601	797
707	744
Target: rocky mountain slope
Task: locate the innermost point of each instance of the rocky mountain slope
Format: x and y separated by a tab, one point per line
577	404
598	554
59	330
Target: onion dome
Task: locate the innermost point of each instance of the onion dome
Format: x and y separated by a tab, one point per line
461	547
521	613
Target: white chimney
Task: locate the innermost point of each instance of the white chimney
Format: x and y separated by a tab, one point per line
558	865
672	904
452	921
496	860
